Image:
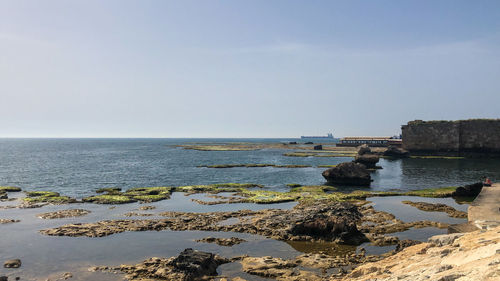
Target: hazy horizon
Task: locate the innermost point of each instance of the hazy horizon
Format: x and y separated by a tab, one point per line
243	69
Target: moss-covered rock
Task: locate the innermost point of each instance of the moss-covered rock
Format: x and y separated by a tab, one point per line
269	197
109	199
433	192
9	189
293	185
108	190
42	193
53	199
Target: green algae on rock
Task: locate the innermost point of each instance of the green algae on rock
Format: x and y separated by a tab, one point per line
221	166
109	199
108	190
9	189
47	197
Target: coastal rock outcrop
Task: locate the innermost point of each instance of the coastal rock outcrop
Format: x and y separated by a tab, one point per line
471	190
348	173
369	160
471	256
190	265
364	149
396	152
15	263
327	221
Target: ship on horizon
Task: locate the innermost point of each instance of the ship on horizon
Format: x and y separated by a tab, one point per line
328	136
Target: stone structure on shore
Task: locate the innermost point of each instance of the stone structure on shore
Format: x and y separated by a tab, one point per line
463	137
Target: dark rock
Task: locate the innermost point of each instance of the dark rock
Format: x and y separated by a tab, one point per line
3	195
318	147
364	149
15	263
190	265
309	142
330	222
196	264
348	173
471	190
369	160
4	278
396	152
228	242
292	142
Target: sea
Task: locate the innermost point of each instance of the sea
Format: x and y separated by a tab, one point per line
77	167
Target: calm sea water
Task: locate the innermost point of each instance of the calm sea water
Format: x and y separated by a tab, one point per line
77	167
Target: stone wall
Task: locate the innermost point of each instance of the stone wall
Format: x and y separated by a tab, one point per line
452	137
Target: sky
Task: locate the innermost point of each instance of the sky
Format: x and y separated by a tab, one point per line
232	68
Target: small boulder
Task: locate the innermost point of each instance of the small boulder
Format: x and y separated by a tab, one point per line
196	264
318	147
471	190
4	278
396	152
369	160
292	142
348	173
15	263
364	149
309	142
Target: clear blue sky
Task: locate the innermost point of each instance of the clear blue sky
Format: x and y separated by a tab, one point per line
244	68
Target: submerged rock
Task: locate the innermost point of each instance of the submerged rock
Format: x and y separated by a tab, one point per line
64	214
228	242
318	147
348	173
15	263
4	221
437	207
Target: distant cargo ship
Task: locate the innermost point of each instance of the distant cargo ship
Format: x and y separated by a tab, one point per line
328	136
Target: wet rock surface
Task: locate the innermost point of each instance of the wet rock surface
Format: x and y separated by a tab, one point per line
320	221
369	160
189	265
471	190
396	152
228	242
5	221
14	263
348	173
303	267
437	207
64	214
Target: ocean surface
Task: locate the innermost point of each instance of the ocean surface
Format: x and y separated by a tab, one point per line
77	167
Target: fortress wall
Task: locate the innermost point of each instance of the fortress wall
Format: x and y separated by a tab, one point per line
431	136
464	136
480	135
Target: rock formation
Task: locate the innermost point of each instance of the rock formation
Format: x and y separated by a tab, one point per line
396	152
348	173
